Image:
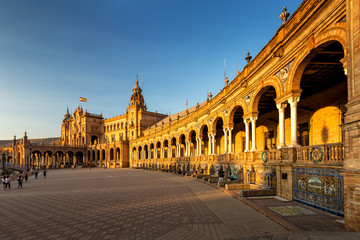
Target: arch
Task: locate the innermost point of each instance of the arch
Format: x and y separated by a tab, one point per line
191	133
166	149
193	142
232	111
117	154
201	129
103	155
337	34
140	152
111	154
79	157
97	155
146	150
214	123
263	85
94	140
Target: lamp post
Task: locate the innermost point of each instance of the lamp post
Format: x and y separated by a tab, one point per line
29	159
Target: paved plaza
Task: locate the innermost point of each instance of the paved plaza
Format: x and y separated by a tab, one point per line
133	204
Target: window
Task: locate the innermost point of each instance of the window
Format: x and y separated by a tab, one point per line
284	176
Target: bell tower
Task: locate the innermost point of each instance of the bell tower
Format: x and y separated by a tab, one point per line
134	112
137	98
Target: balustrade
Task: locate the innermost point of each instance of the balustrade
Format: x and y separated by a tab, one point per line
322	154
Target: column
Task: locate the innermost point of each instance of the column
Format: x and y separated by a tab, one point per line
253	133
281	107
199	151
54	161
197	147
247	135
293	113
209	143
225	140
42	160
230	139
189	150
213	143
155	153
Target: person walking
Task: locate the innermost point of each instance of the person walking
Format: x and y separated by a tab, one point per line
221	175
7	182
26	177
20	180
36	174
44	173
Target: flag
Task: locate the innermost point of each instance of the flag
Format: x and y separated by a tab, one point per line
83	99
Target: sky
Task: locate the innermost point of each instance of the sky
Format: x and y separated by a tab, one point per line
52	52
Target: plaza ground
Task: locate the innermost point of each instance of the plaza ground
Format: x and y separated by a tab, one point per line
139	204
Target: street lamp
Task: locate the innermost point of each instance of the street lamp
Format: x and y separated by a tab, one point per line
29	158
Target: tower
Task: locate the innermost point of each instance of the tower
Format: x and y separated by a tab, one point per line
134	112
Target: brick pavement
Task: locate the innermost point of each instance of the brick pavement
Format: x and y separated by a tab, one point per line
129	204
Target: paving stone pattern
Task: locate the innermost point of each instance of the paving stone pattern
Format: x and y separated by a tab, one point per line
127	204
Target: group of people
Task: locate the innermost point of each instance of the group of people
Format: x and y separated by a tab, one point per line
6	180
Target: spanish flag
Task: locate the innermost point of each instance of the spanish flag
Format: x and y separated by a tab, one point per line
83	99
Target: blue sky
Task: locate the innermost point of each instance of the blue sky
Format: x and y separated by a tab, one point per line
54	51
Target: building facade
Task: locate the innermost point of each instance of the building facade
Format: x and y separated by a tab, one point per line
290	120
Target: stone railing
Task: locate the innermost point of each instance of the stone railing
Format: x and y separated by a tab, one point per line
227	157
322	154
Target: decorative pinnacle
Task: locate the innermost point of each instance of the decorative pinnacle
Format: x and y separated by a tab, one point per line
248	58
284	15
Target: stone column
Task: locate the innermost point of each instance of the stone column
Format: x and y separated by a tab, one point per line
230	139
199	151
189	148
42	160
213	143
293	112
253	133
247	135
209	143
225	140
281	107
